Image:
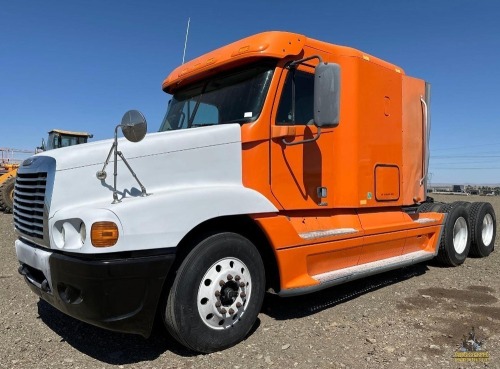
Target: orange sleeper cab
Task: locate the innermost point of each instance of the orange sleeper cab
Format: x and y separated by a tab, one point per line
370	167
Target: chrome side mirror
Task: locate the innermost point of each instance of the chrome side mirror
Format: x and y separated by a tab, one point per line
134	126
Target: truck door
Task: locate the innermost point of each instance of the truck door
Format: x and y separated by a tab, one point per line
299	173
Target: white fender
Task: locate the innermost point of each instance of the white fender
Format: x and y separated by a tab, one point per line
159	220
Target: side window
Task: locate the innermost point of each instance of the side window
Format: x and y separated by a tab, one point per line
304	99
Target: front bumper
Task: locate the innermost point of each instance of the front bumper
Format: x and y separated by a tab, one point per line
120	293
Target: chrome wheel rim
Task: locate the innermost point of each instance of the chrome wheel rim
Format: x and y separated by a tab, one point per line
460	233
223	293
487	230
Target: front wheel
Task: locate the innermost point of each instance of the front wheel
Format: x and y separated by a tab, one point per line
217	293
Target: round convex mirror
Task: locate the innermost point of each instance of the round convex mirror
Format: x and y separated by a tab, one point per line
134	126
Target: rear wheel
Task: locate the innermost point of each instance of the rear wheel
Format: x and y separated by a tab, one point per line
455	239
7	195
465	204
217	293
428	207
483	228
424	208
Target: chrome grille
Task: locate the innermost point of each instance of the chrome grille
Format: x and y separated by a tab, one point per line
29	200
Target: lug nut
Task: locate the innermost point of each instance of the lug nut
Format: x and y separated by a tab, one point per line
231	311
238	304
221	283
223	311
242	284
237	278
229	277
217	293
218	304
243	295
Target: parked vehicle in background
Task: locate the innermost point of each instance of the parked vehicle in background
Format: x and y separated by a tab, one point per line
57	138
7	179
284	164
8	169
60	138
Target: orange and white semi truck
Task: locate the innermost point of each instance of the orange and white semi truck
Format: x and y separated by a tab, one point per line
283	164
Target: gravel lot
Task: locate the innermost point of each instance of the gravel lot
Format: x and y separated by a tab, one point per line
414	317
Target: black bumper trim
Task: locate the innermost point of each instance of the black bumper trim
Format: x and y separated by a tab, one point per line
120	294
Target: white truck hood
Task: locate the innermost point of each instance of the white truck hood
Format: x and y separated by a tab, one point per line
94	153
190	176
164	161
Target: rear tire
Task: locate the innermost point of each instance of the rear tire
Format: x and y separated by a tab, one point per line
465	204
7	195
428	207
483	226
217	293
455	239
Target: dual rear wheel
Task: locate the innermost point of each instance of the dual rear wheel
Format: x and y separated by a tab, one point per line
455	239
483	228
469	229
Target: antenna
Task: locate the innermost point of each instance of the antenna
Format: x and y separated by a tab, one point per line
186	41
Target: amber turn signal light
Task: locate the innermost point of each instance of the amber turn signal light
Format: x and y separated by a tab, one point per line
104	234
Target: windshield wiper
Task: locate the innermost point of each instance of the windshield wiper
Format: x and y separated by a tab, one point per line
241	120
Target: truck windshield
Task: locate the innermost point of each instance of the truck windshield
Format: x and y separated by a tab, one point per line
234	97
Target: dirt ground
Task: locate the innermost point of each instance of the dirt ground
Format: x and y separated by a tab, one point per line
410	318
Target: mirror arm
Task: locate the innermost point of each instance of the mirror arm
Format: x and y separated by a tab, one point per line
102	173
315	138
292	65
130	121
143	189
300	61
115	166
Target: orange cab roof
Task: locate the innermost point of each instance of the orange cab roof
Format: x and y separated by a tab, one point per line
268	44
273	44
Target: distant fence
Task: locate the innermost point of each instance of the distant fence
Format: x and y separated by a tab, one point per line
451	193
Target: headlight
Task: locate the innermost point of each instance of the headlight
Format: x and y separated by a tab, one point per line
69	233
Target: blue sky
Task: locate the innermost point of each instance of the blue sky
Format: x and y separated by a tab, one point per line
80	65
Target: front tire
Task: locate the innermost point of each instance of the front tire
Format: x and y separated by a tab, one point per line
217	293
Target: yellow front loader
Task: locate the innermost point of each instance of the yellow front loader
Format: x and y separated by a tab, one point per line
8	174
